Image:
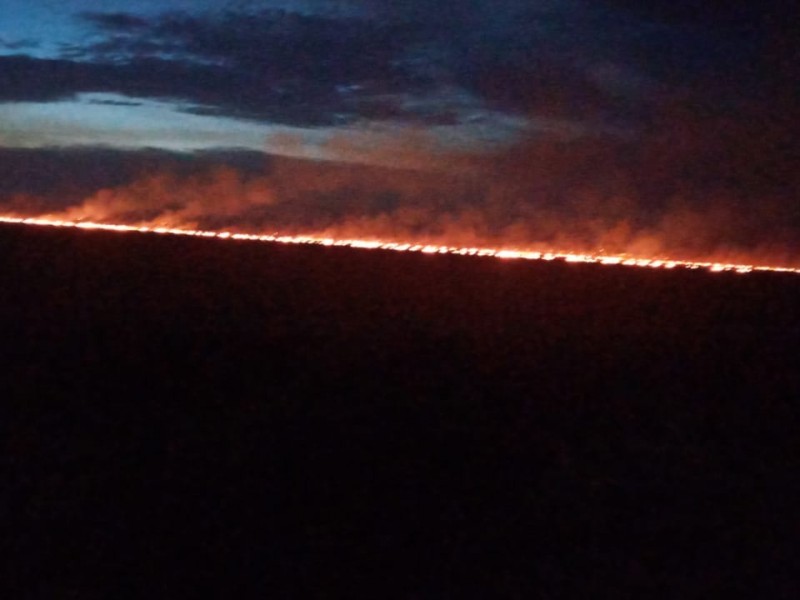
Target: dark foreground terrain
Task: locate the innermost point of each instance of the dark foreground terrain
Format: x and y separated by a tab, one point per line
184	417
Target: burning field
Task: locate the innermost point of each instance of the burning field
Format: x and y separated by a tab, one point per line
415	300
713	192
399	246
562	365
440	421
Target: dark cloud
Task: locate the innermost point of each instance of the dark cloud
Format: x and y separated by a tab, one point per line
516	57
222	91
118	21
23	78
275	49
18	44
278	41
715	14
272	66
563	57
115	102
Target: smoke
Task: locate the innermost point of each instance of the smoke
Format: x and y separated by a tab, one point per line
694	186
168	199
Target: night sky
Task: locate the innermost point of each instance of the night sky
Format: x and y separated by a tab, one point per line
541	104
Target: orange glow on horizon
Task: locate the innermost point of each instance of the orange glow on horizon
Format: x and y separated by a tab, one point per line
397	246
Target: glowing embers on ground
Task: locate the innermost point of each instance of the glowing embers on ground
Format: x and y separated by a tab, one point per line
600	259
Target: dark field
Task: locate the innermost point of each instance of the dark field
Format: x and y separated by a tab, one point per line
184	416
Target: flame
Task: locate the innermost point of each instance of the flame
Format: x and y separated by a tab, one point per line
397	246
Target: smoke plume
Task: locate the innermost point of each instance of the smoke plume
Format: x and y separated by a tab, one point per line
695	186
